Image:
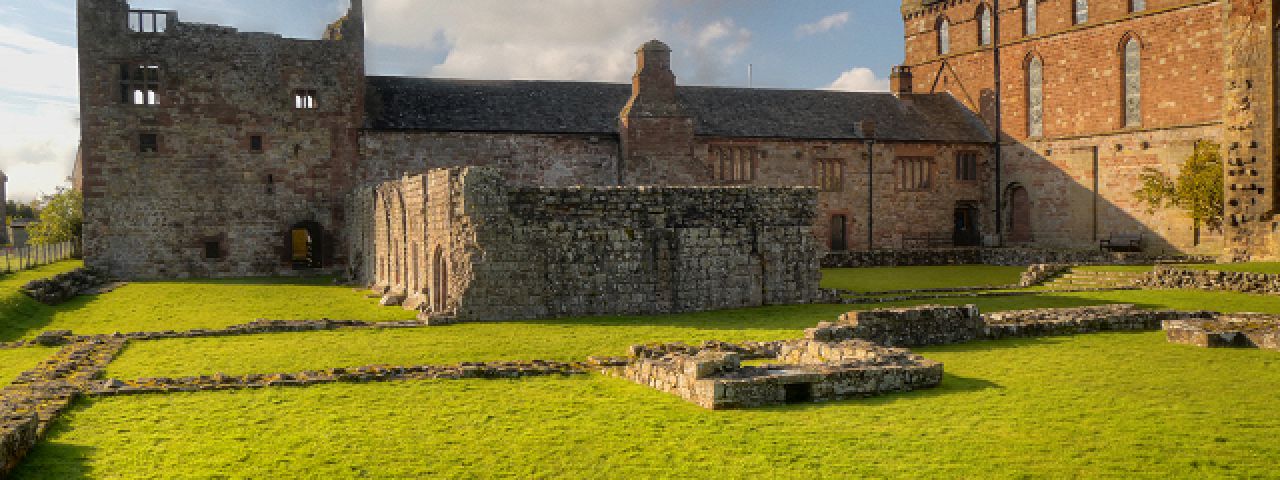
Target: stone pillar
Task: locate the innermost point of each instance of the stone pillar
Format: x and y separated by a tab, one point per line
657	132
1248	146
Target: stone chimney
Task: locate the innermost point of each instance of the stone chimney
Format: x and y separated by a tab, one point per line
656	130
900	80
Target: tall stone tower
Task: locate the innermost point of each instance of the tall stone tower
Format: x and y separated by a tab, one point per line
657	131
1248	136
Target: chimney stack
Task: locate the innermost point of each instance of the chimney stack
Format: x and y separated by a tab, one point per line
900	80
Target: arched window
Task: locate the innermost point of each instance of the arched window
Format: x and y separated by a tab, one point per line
1035	97
1081	11
944	36
1029	17
984	25
1132	83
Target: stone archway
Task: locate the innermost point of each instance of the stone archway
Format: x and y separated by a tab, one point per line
305	245
1019	230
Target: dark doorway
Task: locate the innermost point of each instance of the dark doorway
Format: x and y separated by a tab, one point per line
1019	215
304	245
966	227
839	239
798	392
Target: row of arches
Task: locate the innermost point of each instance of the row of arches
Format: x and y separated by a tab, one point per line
1130	52
1030	12
401	263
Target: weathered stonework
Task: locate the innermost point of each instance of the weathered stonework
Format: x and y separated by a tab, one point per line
1229	330
829	364
996	256
64	286
1172	277
916	326
465	245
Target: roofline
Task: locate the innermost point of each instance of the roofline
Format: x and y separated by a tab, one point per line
696	135
589	82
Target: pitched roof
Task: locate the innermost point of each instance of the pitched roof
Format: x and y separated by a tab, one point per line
400	103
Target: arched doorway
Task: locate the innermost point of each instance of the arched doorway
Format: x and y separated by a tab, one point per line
439	281
1019	214
305	245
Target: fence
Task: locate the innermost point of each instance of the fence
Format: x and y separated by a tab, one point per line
31	256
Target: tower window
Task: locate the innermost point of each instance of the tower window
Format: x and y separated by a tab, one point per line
148	21
1035	97
944	36
148	143
1137	5
984	25
1080	11
1132	83
212	249
255	143
1029	17
140	84
304	99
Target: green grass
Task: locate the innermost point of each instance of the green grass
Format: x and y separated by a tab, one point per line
882	279
15	361
1254	267
1106	405
1116	268
20	316
185	305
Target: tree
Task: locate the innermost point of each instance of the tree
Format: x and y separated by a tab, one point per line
61	219
17	210
1197	190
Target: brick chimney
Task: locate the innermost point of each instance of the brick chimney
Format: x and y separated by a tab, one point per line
656	131
900	80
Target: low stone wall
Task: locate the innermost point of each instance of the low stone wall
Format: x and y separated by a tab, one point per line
373	373
18	433
1073	321
916	326
1169	277
1042	272
65	286
993	256
828	364
1234	330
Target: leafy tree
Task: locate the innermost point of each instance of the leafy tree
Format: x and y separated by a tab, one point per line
1197	190
61	219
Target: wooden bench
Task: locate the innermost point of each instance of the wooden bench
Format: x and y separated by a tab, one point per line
1121	242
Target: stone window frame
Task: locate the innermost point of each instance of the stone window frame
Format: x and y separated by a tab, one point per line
1130	50
830	173
986	31
914	173
1030	14
306	99
149	22
943	29
735	164
1034	77
967	165
140	77
213	248
257	143
1079	12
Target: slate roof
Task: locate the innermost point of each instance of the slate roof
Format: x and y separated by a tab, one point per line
446	105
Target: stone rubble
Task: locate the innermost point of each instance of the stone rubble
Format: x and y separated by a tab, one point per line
1239	330
1170	277
65	286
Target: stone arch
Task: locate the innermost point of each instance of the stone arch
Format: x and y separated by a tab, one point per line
381	238
1130	50
306	245
1033	68
1018	221
986	29
439	280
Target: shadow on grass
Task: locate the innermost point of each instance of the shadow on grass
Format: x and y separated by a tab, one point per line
54	460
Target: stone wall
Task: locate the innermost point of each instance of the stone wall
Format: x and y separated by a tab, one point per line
486	251
1227	331
1172	277
205	202
993	256
916	326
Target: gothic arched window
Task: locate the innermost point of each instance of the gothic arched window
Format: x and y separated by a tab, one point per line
1029	17
1035	97
1132	83
944	36
984	25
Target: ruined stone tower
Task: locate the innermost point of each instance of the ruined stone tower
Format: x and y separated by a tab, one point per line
212	152
1248	136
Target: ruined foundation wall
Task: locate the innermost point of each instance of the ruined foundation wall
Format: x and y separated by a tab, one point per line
526	252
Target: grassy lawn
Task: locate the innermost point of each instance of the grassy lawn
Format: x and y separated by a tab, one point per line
20	316
1116	268
185	305
15	361
907	278
1253	267
1105	405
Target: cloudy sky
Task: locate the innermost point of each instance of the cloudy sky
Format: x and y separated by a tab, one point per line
843	44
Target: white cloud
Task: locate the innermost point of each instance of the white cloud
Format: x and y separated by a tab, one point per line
860	79
547	39
713	48
38	109
826	24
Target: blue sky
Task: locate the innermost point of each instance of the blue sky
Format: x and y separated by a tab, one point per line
845	44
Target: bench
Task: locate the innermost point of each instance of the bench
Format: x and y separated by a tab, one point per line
1121	242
